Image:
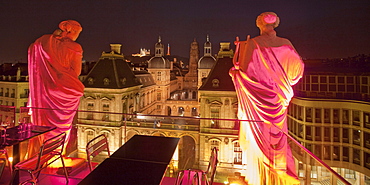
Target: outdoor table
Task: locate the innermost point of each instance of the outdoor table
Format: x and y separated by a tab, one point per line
14	137
141	160
148	148
125	171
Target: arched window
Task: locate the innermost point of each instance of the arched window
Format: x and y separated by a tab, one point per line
237	153
194	111
181	111
214	143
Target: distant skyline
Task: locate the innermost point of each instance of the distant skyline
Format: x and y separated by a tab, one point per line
317	29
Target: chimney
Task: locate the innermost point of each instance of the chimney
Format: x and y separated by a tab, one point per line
116	48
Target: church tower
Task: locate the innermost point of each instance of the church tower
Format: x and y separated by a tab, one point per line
160	68
191	78
205	63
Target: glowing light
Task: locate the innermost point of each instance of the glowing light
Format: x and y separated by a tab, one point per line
269	18
69	162
139	116
10	159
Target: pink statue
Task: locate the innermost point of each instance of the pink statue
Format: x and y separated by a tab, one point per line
55	62
265	69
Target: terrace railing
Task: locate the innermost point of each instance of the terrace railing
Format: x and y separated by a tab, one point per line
192	153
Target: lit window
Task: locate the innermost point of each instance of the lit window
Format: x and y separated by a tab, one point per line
123	81
214	143
237	153
106	81
106	115
90	81
215	82
159	74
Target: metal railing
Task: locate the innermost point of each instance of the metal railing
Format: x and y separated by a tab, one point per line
197	135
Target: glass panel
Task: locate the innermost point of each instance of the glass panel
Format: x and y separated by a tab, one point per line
190	154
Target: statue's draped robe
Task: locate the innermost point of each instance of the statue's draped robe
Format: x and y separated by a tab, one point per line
55	90
264	92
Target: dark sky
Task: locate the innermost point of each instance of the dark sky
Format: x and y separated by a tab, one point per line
318	29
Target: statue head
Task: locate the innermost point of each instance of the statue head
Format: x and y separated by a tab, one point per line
70	29
267	18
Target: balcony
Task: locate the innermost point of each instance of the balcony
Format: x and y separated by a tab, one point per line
197	135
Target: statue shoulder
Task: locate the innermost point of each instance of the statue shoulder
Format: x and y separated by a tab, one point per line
73	45
285	41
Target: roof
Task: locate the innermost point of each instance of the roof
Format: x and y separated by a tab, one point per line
111	73
145	78
219	78
159	63
206	62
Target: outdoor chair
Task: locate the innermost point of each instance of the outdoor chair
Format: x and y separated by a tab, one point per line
95	147
194	176
4	161
50	151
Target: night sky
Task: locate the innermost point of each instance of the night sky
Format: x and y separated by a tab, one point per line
317	29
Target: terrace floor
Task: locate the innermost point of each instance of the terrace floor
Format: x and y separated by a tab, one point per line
49	176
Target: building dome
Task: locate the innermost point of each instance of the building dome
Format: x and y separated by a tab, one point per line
206	62
208	44
159	63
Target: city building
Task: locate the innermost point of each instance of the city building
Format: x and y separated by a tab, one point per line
329	114
330	117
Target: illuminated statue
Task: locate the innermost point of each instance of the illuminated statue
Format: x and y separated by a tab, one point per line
55	62
265	68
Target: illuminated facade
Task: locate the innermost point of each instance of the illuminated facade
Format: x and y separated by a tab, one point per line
14	88
330	117
160	92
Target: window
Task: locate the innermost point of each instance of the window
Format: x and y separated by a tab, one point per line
317	115
336	153
308	114
237	153
336	116
327	134
345	116
194	95
90	107
89	135
367	160
215	82
300	113
159	96
356	136
105	109
345	136
366	119
308	132
327	152
106	81
194	111
356	156
317	151
214	143
215	113
366	140
181	111
327	115
90	81
13	93
159	76
356	117
318	133
336	134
